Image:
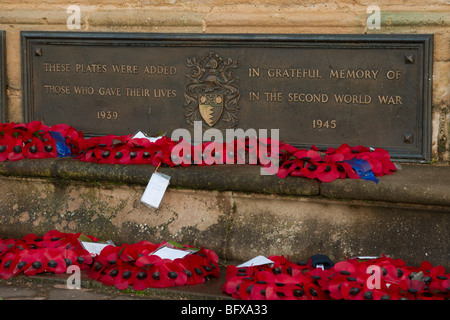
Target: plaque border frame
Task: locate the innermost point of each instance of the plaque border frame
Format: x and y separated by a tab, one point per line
417	41
2	76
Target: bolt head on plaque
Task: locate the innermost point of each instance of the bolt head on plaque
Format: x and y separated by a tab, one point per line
38	52
409	58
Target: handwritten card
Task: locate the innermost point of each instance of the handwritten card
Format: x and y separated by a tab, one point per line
156	187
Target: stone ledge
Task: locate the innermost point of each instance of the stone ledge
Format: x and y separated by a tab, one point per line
244	178
416	184
420	184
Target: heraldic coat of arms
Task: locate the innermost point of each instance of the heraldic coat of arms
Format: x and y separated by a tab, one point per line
212	94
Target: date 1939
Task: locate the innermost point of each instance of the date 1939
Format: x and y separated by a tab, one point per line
107	115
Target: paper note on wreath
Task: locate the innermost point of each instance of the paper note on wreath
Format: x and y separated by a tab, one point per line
257	261
170	253
156	187
141	135
94	248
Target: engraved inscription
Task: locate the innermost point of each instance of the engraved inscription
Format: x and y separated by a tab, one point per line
321	90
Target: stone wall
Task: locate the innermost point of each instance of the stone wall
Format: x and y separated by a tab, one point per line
260	215
235	211
231	16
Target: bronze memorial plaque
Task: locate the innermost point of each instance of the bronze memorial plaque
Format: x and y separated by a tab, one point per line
2	77
322	90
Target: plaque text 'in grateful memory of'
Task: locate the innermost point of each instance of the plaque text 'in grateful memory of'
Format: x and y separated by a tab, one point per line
322	90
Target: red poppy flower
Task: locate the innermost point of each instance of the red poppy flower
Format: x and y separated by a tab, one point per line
141	279
380	161
16	150
132	252
171	274
234	152
198	266
346	170
84	259
88	155
5	244
156	275
165	146
251	146
54	239
141	156
307	155
280	287
5	148
35	261
197	154
257	290
244	290
136	142
73	137
35	150
50	149
7	265
181	153
290	167
234	277
269	155
344	271
214	153
212	258
35	126
111	155
327	171
435	278
287	149
55	261
313	291
104	274
125	276
310	170
103	154
70	257
348	152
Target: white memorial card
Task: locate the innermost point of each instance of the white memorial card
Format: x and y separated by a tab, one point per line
256	261
170	253
155	189
141	135
94	248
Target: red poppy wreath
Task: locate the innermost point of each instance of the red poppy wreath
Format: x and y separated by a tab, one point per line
137	265
34	140
352	279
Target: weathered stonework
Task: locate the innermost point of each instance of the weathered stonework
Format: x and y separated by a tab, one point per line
282	16
114	212
234	210
398	216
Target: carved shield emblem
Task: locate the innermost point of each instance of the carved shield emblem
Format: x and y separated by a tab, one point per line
211	107
212	94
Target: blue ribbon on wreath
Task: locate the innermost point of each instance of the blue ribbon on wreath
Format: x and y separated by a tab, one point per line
62	149
363	169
